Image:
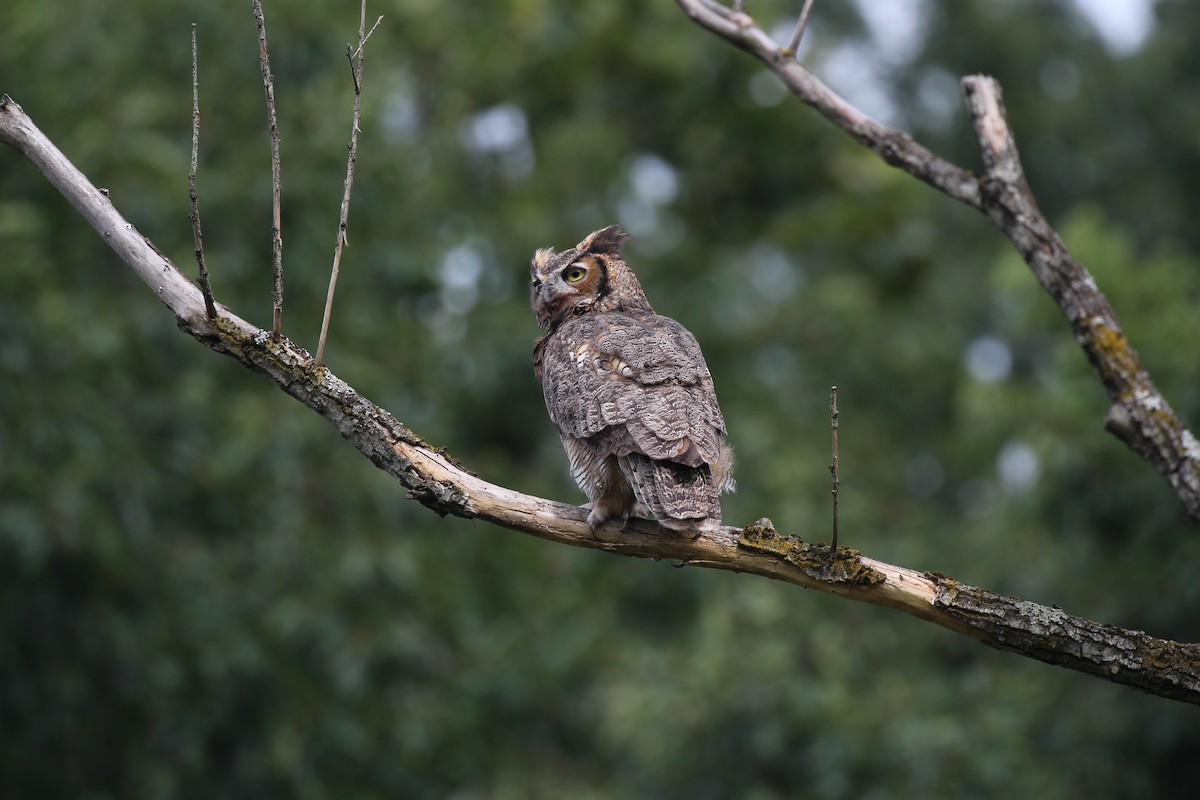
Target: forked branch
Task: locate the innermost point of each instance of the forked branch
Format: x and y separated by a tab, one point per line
801	24
1140	416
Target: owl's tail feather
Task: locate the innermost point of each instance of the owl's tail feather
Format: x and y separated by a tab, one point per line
680	497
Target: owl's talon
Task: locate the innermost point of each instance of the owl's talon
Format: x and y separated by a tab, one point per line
597	517
594	520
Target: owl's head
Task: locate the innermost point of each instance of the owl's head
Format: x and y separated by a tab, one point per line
590	278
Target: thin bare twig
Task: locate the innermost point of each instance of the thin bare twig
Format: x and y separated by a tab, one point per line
355	58
833	468
210	305
264	61
362	40
793	47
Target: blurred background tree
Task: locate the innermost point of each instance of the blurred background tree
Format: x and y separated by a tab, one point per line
204	592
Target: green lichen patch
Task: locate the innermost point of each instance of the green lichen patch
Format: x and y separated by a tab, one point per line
815	560
1113	351
763	537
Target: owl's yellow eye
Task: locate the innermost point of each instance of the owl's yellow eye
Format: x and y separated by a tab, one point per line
574	273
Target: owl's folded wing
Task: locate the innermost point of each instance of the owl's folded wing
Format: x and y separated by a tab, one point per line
633	384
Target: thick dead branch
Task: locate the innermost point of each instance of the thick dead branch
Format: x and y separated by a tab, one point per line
1160	667
1153	431
1141	416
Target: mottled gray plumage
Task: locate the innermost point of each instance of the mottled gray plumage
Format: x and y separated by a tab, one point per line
628	391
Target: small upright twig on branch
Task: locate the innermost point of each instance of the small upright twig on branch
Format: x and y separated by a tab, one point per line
833	468
794	46
264	61
210	306
355	58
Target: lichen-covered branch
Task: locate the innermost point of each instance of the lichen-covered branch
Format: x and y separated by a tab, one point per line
1157	666
1147	423
1056	637
1140	416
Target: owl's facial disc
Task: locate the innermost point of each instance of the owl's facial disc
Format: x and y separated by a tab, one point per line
563	286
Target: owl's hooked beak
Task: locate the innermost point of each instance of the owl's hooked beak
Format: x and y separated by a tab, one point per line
553	299
545	305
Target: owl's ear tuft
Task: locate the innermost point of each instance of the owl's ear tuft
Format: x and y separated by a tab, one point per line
542	257
606	240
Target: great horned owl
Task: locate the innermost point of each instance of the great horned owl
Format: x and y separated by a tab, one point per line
628	391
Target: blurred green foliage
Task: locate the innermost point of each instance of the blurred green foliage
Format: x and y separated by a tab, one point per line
204	592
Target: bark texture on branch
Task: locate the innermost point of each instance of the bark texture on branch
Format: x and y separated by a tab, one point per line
1133	658
1140	416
